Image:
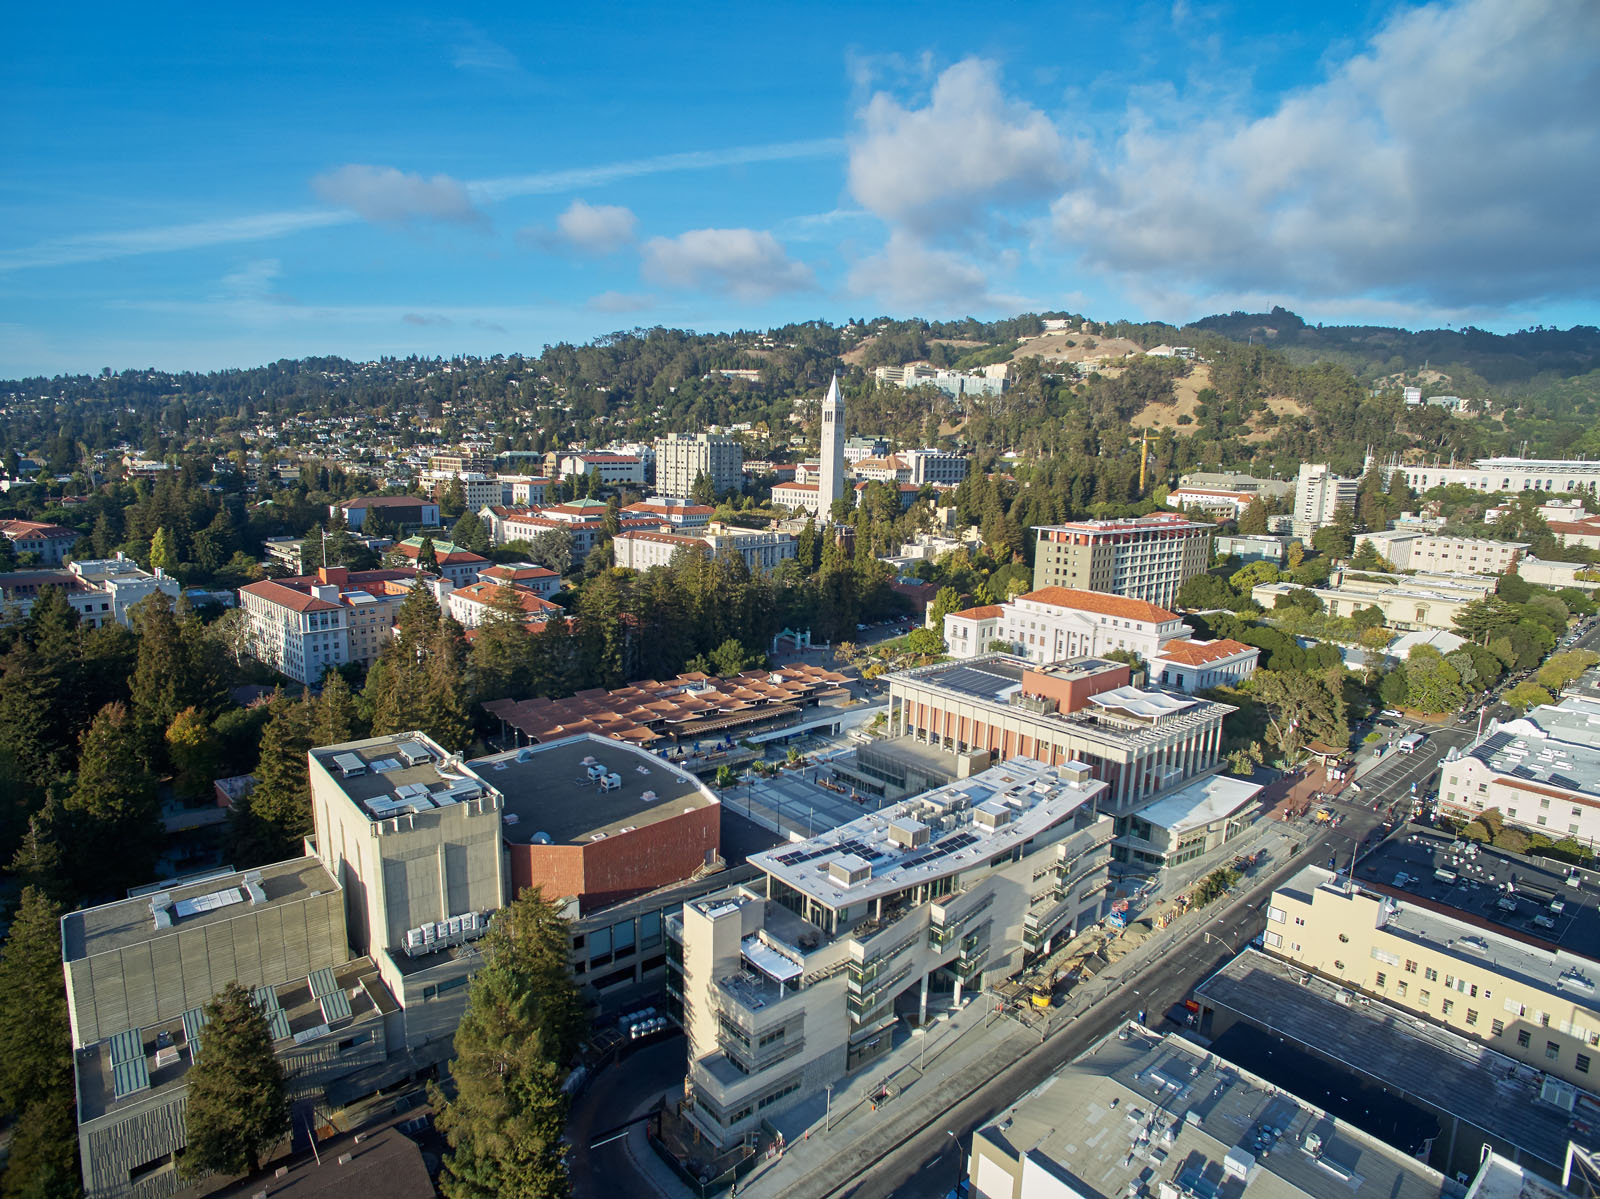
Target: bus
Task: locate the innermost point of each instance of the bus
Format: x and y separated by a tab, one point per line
1409	743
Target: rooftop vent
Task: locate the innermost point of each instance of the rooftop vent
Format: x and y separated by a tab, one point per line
414	753
907	833
648	797
350	765
847	870
1075	773
992	816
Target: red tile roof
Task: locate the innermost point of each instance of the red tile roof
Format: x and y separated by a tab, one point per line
1198	653
289	597
34	528
984	612
1100	604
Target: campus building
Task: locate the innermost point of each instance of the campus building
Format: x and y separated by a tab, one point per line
1407	602
402	511
1507	474
51	542
640	549
1319	495
830	483
1409	549
1540	771
302	626
610	469
797	978
681	458
1213	502
1054	624
460	566
1204	1127
1148	558
1144	743
1521	993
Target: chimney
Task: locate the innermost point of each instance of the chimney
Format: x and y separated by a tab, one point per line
336	575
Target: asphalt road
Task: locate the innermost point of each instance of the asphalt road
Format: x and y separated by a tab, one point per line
613	1097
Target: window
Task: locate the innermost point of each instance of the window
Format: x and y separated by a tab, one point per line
1552	1050
1524	1038
1431	974
1275	914
1582	1063
1411	967
1402	988
1447	1007
1423	997
1383	955
1497	1028
1472	1017
1380	980
1544	1019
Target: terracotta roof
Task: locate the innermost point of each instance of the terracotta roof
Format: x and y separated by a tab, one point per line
484	593
1198	653
984	612
514	574
1226	495
1099	603
34	528
664	538
671	509
1586	528
289	597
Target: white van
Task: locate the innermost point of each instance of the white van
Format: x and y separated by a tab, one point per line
1409	743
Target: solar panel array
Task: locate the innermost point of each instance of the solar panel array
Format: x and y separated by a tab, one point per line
971	681
798	857
944	848
130	1070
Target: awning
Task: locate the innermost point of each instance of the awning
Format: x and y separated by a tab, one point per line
769	961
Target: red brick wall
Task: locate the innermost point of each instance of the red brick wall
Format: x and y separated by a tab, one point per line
1072	694
622	865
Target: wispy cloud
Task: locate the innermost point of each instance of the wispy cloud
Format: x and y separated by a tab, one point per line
385	195
474	50
620	301
99	247
102	247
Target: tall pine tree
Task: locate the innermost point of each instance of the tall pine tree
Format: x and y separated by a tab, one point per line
238	1102
116	811
523	1023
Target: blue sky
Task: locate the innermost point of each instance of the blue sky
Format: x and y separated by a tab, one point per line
191	186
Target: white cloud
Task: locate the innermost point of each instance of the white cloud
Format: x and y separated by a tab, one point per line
252	281
750	264
473	50
934	169
588	229
385	195
427	320
911	274
1454	160
620	301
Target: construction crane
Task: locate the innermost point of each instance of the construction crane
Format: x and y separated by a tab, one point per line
1144	456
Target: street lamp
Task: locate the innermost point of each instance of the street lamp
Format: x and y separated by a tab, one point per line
921	1033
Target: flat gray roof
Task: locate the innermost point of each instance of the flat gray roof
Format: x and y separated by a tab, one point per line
548	789
391	783
1557	745
1035	796
126	922
1480	884
1451	1073
1084	1126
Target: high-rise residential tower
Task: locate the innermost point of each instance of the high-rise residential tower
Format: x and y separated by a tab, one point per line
831	486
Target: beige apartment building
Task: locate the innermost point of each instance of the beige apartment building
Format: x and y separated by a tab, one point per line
1148	558
1531	1001
1410	549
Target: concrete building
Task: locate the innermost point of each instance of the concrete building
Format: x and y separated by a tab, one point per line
611	469
121	582
1558	574
301	626
1144	743
798	497
1054	624
1204	1127
1422	601
891	468
1506	474
1530	1000
937	466
1413	550
1190	823
1319	495
138	972
52	543
830	485
405	512
1189	665
1542	771
477	489
1234	481
955	384
681	458
641	550
1148	558
1253	547
522	490
857	448
796	979
461	462
1221	505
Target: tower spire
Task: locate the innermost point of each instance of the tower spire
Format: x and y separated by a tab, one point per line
831	484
